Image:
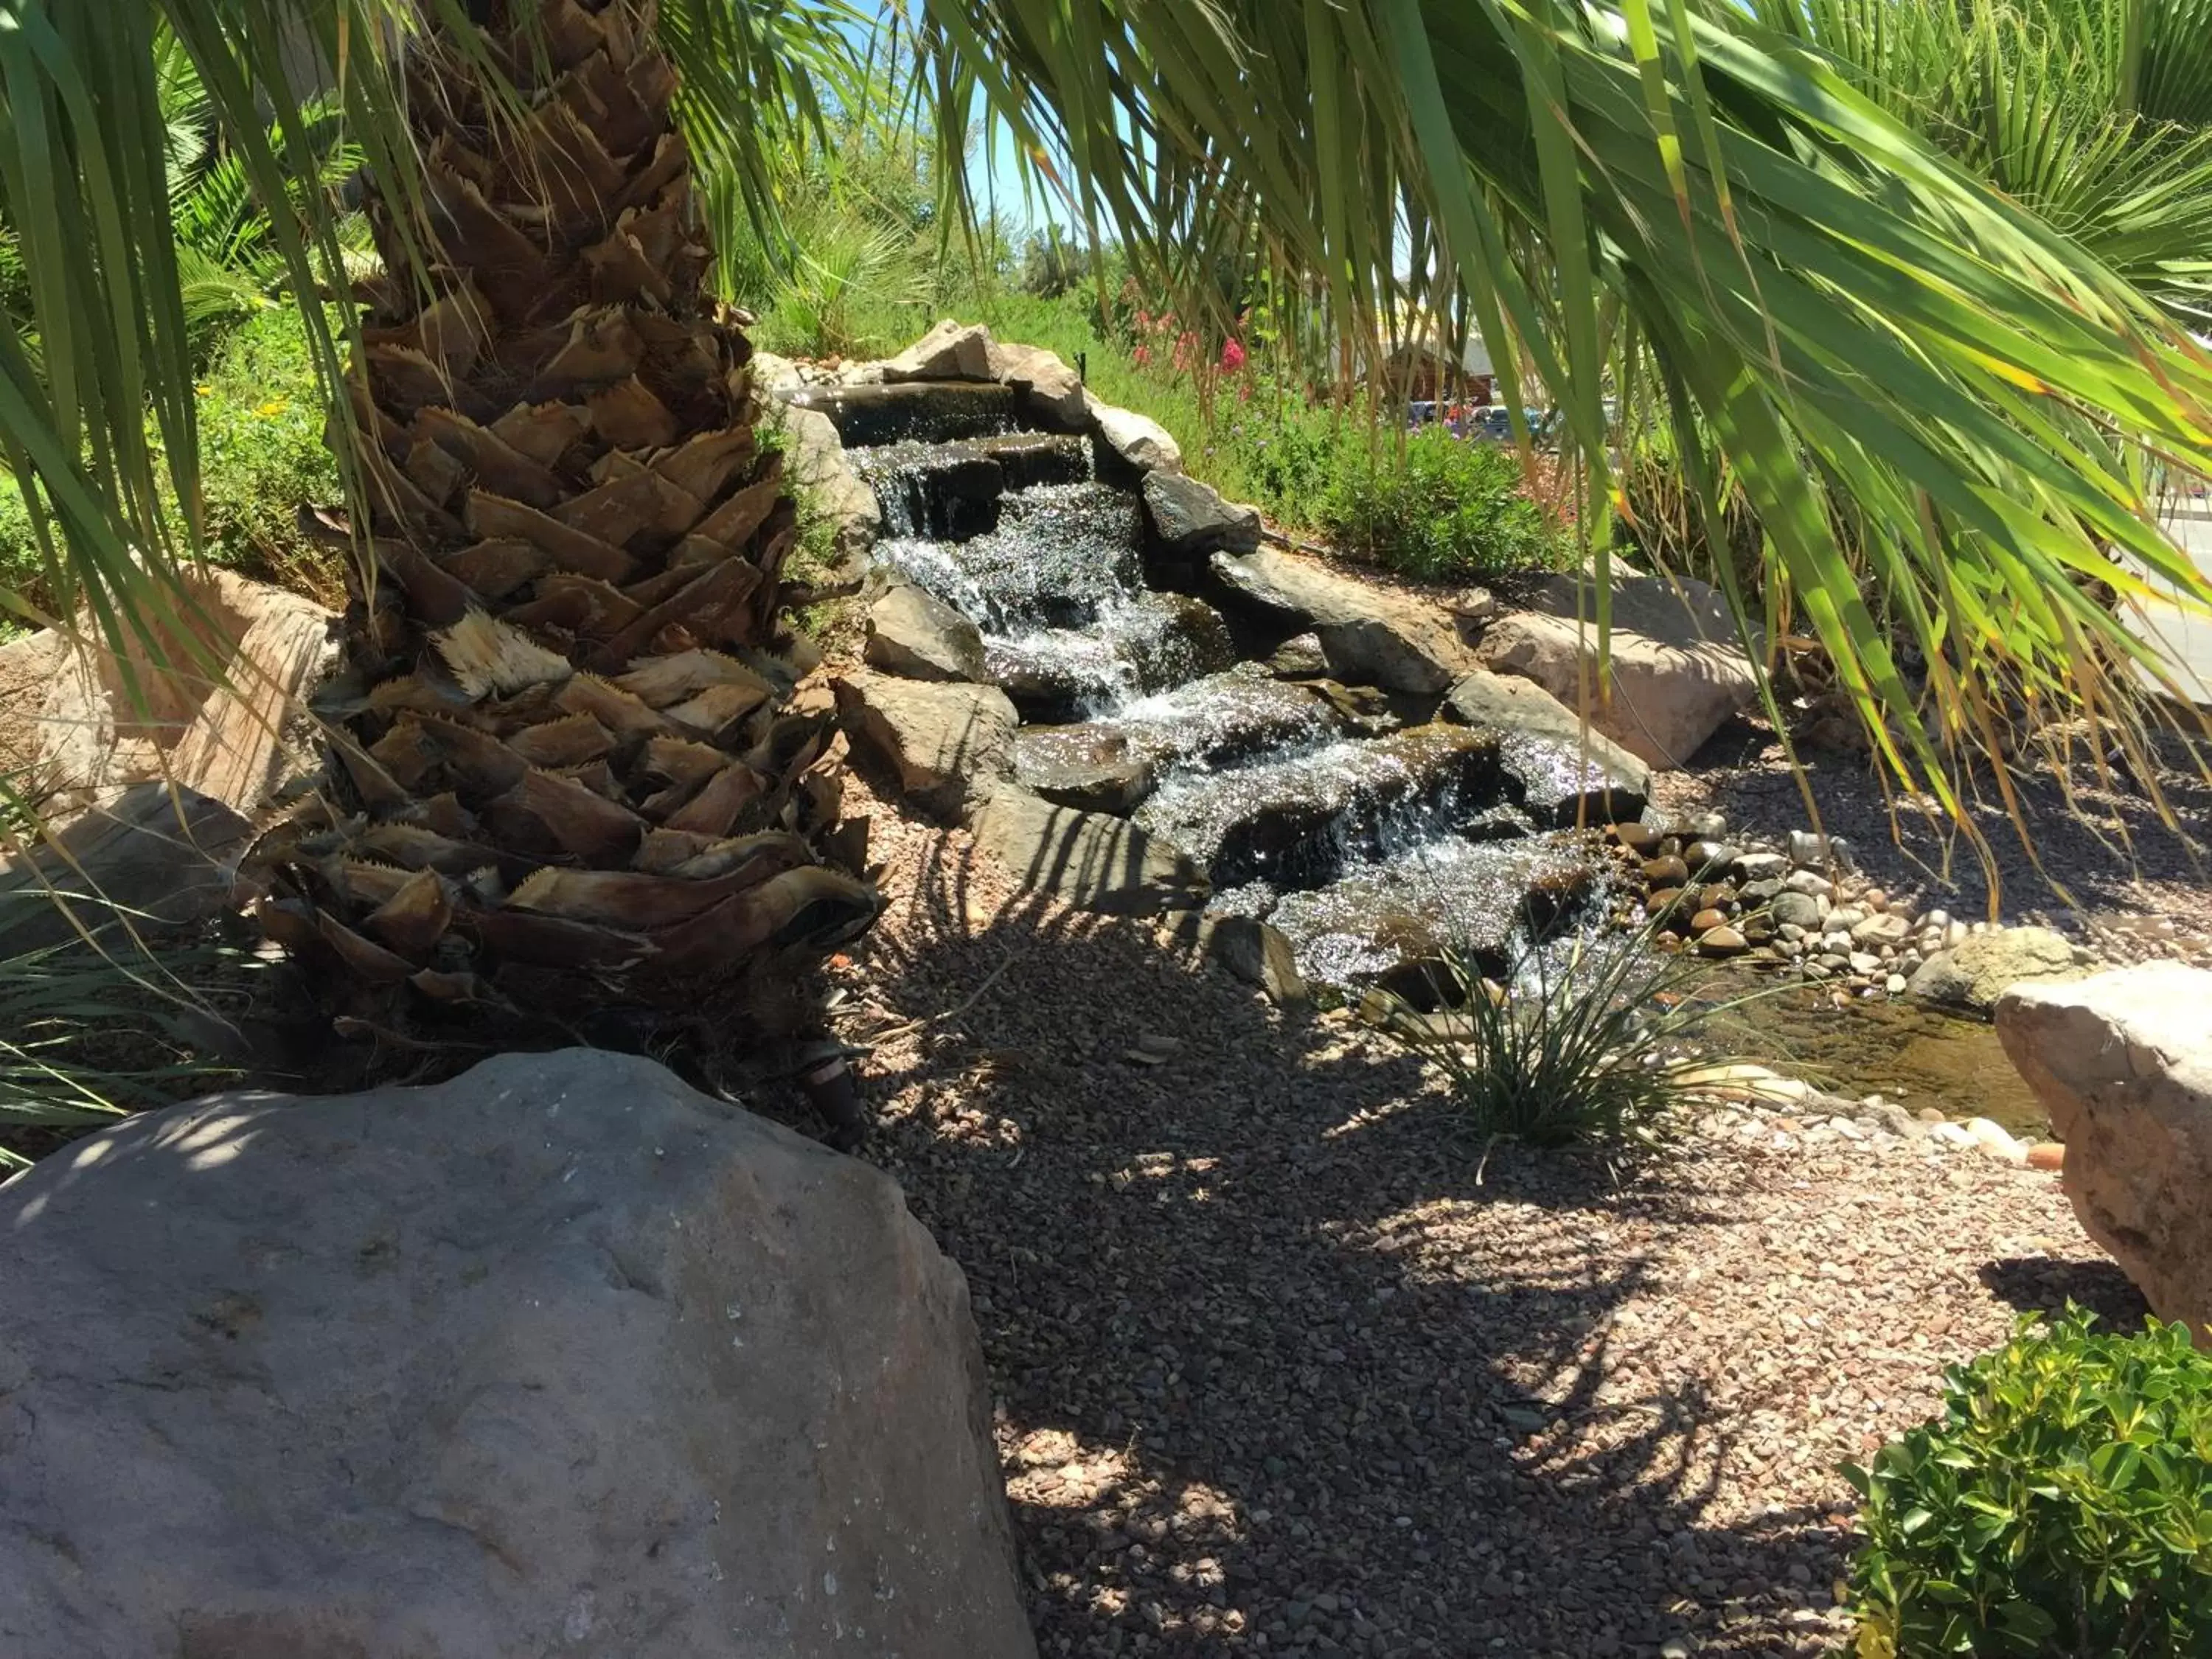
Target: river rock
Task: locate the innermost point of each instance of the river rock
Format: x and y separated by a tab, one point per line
1567	773
2123	1062
1977	971
1721	941
914	633
1884	929
945	746
1140	441
1087	860
1190	517
950	351
815	460
1761	866
1370	635
558	1357
1053	389
1667	871
1678	669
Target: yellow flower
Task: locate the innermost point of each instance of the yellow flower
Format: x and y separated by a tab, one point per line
204	391
275	406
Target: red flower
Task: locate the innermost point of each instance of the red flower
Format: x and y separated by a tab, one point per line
1232	355
1142	355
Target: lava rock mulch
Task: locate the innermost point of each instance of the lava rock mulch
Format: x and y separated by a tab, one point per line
1283	1362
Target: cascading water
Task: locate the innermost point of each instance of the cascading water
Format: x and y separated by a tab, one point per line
1366	844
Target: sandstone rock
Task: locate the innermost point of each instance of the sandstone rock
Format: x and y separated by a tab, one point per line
912	632
1086	858
814	459
1250	949
218	708
2123	1062
1884	929
1051	387
1677	668
560	1357
945	746
1140	441
1370	636
1190	517
1567	773
1977	971
950	351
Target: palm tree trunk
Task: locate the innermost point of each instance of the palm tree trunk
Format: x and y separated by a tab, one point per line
570	766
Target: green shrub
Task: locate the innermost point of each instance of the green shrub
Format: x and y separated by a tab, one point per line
2061	1504
262	454
1439	507
1586	1045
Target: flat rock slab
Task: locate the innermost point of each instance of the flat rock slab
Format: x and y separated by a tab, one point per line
1086	858
1140	442
2123	1062
1190	517
1368	636
559	1357
1677	668
944	746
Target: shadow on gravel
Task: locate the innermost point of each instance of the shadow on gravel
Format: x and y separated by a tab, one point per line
2033	1285
1272	1363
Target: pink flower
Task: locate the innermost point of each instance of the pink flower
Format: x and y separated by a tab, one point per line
1232	355
1142	355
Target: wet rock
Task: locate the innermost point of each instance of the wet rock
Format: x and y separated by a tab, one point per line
1305	818
944	747
1087	860
950	351
948	491
1638	838
1190	517
559	1356
1137	441
1134	646
1298	657
1027	459
2123	1062
1668	871
1664	901
928	411
1566	773
1051	390
913	633
1090	768
1705	920
1707	858
1721	941
1677	668
1979	970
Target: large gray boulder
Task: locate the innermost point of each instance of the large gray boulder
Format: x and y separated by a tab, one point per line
1974	973
1370	635
2123	1062
1677	669
914	633
1190	517
1141	442
945	746
560	1357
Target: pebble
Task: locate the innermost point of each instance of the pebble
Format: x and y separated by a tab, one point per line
1705	855
1809	884
1722	941
1894	985
1761	866
1666	873
2047	1155
1706	920
1640	838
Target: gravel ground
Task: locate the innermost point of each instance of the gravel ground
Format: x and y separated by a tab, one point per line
2138	889
1284	1364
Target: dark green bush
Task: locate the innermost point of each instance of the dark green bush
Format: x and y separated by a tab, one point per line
2061	1504
1438	507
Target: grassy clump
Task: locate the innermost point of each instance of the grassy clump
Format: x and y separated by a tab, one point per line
1439	507
1581	1041
261	453
2061	1504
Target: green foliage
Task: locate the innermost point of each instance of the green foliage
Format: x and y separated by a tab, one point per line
1436	506
1579	1042
262	454
2061	1504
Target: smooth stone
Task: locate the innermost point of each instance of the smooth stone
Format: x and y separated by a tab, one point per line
1666	873
1810	883
1975	972
1702	856
1705	920
1639	838
1660	901
1795	909
1887	928
1761	866
1722	941
1894	985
